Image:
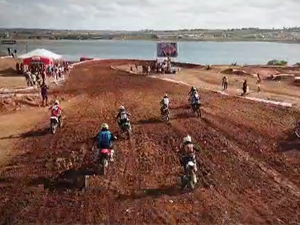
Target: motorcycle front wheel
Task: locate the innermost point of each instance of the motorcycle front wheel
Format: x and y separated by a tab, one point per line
191	181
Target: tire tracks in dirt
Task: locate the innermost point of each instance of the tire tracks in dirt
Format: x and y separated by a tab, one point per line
140	186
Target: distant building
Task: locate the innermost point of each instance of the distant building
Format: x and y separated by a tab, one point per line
4	35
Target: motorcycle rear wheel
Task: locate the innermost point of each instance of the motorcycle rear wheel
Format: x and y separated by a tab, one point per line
103	167
53	128
297	132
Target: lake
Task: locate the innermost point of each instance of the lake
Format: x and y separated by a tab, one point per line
192	52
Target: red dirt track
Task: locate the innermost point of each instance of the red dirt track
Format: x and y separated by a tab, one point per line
248	149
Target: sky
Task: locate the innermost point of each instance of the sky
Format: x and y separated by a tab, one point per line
148	14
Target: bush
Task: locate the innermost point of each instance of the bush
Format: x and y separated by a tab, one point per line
297	64
276	62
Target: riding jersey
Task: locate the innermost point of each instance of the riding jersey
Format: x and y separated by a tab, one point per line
195	99
104	139
55	111
165	102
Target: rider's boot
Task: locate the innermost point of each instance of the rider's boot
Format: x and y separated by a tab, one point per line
195	168
195	179
112	155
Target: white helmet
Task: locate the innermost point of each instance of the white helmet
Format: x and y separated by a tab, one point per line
166	95
122	107
187	139
56	102
104	126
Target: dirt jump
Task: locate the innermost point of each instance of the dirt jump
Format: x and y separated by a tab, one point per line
249	158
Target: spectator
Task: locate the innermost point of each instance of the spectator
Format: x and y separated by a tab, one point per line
28	78
44	94
258	81
245	87
18	68
22	68
44	75
224	83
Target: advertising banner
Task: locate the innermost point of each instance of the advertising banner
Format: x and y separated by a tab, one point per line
167	49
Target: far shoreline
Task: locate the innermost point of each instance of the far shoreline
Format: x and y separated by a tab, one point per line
157	40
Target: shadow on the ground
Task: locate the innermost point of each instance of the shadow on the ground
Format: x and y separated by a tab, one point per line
72	179
180	107
184	115
10	72
36	133
172	190
149	121
289	143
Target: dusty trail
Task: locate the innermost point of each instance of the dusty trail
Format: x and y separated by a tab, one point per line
252	180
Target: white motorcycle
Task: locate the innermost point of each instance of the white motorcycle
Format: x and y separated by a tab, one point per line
165	114
54	123
189	179
126	128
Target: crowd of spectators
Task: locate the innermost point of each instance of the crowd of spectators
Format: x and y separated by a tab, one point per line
37	73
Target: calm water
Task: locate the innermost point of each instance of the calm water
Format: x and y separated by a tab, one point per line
193	52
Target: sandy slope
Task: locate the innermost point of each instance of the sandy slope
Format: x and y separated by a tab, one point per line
280	90
247	147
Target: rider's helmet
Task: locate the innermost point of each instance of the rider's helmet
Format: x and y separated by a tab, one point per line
56	102
122	108
166	95
104	126
193	88
187	139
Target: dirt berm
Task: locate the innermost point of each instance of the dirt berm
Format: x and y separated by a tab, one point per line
249	155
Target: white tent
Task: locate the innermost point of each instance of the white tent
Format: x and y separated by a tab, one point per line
40	52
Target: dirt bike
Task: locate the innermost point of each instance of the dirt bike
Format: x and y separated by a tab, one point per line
165	114
126	128
197	109
104	157
54	123
297	129
189	179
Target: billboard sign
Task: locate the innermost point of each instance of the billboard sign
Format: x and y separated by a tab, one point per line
167	49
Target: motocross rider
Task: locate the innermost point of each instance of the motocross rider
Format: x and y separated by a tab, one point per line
195	99
187	152
164	103
122	116
193	89
105	140
56	110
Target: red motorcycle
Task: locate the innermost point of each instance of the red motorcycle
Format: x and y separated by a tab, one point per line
104	157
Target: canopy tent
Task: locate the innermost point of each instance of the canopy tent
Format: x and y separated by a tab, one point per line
41	56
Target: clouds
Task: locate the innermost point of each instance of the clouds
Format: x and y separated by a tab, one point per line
148	14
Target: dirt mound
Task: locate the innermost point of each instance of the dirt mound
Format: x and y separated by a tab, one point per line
235	72
7	64
19	101
264	72
240	168
282	77
297	81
